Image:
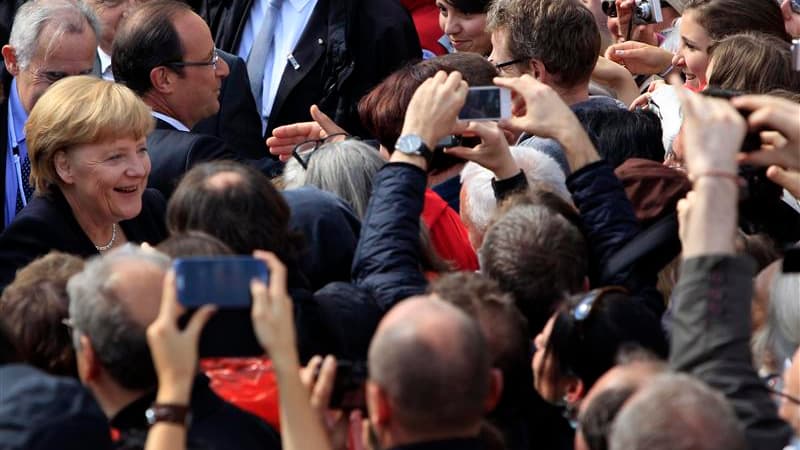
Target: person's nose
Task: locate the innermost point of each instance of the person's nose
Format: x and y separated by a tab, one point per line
452	25
223	70
139	167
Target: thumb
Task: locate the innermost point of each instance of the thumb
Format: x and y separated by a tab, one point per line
324	121
199	320
788	179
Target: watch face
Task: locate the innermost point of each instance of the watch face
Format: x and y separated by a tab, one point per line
409	144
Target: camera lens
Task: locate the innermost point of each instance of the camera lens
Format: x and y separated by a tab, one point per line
609	8
643	12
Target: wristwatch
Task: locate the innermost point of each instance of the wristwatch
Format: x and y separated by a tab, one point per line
412	144
161	412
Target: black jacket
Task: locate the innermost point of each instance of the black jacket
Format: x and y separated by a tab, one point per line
3	156
238	122
347	48
711	340
47	223
215	423
386	265
609	223
174	152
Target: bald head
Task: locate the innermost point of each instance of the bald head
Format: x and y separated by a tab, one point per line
431	360
112	301
676	412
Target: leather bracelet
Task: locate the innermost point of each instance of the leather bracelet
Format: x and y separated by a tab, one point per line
693	177
170	413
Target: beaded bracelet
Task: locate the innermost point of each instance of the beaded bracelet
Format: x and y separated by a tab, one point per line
715	174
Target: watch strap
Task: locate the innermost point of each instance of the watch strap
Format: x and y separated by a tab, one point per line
165	412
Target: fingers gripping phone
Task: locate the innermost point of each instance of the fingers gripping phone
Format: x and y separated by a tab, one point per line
348	386
486	103
223	281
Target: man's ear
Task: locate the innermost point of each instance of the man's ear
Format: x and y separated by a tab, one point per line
380	409
574	390
90	362
10	58
163	80
536	69
495	390
64	167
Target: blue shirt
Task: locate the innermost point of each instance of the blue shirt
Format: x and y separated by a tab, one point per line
16	138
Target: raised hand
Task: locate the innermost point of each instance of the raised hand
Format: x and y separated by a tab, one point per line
285	138
774	114
272	314
174	351
492	153
640	58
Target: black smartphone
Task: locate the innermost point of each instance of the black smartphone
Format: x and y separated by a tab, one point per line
223	280
348	387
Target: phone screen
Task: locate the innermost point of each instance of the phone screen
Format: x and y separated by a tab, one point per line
223	281
486	103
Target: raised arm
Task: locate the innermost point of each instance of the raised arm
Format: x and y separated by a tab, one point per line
387	258
711	306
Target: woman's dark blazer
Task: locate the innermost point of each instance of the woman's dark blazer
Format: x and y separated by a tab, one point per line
47	223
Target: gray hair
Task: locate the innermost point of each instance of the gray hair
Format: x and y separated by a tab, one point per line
783	317
540	170
96	312
677	412
344	168
66	16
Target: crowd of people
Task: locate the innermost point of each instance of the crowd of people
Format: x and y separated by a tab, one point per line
613	265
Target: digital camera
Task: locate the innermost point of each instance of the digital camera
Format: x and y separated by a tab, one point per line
647	11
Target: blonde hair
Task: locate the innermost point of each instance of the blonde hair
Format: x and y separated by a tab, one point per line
76	111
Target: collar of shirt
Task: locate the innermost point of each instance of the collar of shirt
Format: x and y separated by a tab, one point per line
16	117
298	5
170	120
105	64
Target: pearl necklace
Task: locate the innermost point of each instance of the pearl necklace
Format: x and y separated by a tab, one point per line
102	248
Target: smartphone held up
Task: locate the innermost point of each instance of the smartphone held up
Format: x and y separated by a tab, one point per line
486	103
223	281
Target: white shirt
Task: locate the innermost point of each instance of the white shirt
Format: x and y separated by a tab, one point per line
292	20
105	65
170	120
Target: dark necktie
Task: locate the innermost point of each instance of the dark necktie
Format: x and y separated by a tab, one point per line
27	189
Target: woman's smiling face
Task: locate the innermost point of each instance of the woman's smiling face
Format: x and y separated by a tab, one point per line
692	56
466	31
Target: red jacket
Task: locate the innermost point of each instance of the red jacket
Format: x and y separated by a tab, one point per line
448	234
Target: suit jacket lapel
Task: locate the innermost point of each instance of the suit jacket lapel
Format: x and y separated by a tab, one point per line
310	48
3	154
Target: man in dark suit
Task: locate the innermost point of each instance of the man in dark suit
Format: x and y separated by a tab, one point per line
236	123
324	52
164	53
69	30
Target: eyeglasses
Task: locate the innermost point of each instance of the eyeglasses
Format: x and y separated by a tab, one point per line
502	65
774	383
213	62
302	152
584	308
